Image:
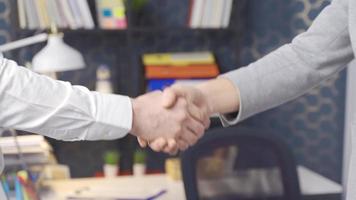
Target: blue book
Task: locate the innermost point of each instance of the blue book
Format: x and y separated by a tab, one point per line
160	84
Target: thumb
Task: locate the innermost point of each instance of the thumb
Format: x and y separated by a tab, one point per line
169	98
171	94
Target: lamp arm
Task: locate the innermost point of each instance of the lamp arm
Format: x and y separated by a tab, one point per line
24	42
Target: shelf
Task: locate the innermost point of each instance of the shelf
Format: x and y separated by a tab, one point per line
134	29
180	29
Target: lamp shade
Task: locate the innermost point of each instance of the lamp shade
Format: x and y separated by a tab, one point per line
57	56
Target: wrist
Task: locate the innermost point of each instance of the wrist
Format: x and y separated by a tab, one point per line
204	91
221	95
135	109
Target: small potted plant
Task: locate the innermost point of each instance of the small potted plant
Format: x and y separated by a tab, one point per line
139	167
111	163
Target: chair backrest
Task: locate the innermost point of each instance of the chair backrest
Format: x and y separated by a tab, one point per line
240	163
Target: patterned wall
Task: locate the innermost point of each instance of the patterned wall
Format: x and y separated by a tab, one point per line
312	124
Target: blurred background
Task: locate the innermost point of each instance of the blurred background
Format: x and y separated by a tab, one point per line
312	125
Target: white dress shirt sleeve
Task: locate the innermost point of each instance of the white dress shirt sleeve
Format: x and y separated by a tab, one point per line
38	104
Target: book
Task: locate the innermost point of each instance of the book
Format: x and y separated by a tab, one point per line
32	18
190	71
64	6
25	140
161	84
76	13
178	59
207	14
190	12
217	15
196	13
39	12
45	14
34	14
22	13
111	14
34	148
86	15
227	13
53	14
62	18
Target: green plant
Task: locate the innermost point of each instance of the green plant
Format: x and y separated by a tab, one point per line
139	157
137	5
112	157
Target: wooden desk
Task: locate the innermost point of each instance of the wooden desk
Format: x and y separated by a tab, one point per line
312	185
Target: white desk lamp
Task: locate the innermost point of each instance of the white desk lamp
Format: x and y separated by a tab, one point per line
56	56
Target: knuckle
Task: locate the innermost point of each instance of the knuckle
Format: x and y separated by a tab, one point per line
201	130
184	103
182	116
185	115
177	86
192	141
201	115
177	131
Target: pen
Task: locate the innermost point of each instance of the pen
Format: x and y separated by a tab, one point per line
18	189
158	195
5	185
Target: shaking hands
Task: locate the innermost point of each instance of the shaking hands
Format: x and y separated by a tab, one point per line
171	120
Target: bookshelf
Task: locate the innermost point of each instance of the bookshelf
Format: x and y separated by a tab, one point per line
139	24
148	34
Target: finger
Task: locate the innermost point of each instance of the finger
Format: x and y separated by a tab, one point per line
199	114
142	142
171	147
188	137
172	93
207	122
196	128
182	145
158	144
169	98
178	90
174	151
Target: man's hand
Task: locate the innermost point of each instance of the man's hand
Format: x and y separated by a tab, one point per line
151	120
198	107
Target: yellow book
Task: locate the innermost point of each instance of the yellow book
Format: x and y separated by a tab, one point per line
178	59
44	13
39	13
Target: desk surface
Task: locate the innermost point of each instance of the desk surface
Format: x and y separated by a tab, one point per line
311	184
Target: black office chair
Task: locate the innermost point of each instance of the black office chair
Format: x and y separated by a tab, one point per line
238	163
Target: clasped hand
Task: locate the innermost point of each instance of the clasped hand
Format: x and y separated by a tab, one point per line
171	120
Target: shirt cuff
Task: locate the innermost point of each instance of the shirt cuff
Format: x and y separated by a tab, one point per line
114	114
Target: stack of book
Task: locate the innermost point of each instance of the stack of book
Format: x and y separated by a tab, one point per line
35	150
41	14
210	13
111	14
164	69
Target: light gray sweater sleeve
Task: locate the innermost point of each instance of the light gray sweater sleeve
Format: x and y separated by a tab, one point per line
288	72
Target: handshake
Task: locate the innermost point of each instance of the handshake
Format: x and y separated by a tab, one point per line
171	120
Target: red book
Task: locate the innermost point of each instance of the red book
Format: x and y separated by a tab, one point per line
182	72
191	5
